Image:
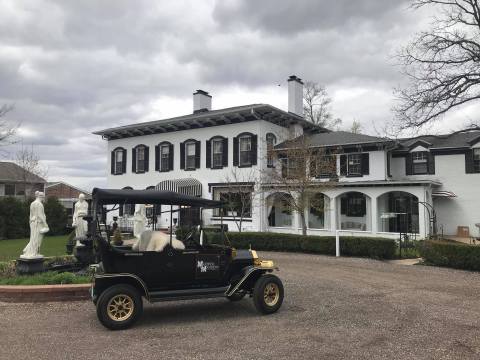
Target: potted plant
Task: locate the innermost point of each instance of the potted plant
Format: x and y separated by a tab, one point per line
117	238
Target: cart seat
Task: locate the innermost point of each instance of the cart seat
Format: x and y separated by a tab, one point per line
156	241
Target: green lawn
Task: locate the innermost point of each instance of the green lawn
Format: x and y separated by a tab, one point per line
51	246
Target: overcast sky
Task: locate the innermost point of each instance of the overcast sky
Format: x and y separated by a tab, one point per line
72	67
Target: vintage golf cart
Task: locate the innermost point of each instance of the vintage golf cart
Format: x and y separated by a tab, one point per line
200	270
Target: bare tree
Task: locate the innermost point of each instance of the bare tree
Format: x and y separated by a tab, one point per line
7	130
238	193
442	63
28	160
304	170
316	106
356	127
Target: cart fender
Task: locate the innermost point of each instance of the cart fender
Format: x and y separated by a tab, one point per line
103	281
249	273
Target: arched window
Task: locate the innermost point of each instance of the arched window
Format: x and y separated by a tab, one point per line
317	211
140	155
190	155
279	210
271	141
245	150
164	157
118	161
217	152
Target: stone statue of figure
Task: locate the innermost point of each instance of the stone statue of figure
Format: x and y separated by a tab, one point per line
80	210
38	227
139	220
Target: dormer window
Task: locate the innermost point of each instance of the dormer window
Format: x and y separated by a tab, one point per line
420	162
140	159
118	161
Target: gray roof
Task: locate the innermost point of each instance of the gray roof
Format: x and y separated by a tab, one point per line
459	139
337	138
11	172
211	118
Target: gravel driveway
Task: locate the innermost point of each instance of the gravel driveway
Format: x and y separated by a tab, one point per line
334	309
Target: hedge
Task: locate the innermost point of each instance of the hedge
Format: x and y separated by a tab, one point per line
377	248
451	254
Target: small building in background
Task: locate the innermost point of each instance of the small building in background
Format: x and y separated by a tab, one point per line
18	182
65	193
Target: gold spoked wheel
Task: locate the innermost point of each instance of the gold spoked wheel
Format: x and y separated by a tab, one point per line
271	294
120	307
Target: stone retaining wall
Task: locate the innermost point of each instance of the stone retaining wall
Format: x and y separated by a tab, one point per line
44	293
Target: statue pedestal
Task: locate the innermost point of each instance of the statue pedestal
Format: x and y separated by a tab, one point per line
26	266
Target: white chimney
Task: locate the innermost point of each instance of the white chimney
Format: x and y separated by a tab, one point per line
202	101
295	95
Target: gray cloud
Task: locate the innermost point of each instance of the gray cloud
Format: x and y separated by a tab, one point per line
72	67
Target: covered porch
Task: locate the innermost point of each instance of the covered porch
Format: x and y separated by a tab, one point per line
370	208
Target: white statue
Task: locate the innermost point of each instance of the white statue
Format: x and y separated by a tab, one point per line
80	210
139	220
38	227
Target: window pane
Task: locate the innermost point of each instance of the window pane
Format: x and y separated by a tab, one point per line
245	147
191	149
164	161
141	153
9	189
119	155
354	164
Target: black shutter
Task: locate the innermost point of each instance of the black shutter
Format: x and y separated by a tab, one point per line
147	158
431	163
365	163
124	163
389	173
182	155
253	152
157	158
120	210
343	205
112	165
225	152
197	154
469	168
235	151
134	160
208	154
408	164
343	165
170	157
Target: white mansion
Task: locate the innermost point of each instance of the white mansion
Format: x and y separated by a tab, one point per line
384	187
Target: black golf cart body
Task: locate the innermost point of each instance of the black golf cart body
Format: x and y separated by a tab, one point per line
199	270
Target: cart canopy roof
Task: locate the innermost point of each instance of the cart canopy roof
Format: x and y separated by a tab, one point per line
125	196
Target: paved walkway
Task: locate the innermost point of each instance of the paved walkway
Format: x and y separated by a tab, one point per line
335	308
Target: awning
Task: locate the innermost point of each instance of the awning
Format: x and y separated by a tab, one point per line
186	186
443	193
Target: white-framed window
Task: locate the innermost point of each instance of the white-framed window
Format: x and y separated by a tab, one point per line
190	155
419	162
9	190
165	157
354	163
245	150
217	153
271	140
237	200
140	158
476	160
118	161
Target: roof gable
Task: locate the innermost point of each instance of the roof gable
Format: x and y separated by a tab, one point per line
12	172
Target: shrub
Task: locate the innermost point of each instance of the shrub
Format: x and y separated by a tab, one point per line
14	218
46	278
57	217
451	254
377	248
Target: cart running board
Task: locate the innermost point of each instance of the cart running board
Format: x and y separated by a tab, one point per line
156	296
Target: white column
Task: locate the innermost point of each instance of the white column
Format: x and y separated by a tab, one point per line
333	214
373	214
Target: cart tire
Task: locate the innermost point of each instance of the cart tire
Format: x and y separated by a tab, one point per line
119	307
268	294
237	296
